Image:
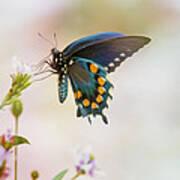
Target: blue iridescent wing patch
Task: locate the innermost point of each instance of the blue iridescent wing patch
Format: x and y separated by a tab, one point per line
90	87
107	49
89	41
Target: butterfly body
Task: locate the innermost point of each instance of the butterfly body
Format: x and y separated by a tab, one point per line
60	65
86	62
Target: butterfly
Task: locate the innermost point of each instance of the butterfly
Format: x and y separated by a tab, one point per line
86	63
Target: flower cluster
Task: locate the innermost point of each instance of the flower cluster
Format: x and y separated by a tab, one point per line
22	77
85	162
6	142
20	81
21	67
4	166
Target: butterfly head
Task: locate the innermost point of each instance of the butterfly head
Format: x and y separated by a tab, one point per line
55	51
57	59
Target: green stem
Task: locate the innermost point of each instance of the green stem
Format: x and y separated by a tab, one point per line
79	173
16	152
1	106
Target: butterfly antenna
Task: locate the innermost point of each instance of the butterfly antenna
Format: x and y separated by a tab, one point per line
55	40
40	35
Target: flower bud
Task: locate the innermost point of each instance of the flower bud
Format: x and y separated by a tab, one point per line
17	108
34	175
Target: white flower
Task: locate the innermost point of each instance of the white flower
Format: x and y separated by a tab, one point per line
37	71
21	67
85	161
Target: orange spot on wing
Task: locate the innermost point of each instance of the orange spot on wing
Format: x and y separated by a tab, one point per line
93	68
99	98
101	81
101	90
77	94
86	102
94	105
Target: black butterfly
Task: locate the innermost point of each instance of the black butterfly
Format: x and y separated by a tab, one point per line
86	63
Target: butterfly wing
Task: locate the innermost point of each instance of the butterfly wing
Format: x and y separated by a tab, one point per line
90	86
108	49
89	41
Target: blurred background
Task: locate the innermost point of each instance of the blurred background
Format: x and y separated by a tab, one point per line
142	140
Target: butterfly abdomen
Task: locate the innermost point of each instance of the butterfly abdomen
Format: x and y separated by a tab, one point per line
63	87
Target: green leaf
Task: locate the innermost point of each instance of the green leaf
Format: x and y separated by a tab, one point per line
60	175
17	140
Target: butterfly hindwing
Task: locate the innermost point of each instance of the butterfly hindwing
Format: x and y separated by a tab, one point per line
90	86
108	49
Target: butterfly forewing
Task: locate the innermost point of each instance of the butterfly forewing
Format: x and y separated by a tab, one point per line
108	52
111	53
89	41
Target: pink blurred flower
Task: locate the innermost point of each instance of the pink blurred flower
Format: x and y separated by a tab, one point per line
6	139
85	162
4	166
